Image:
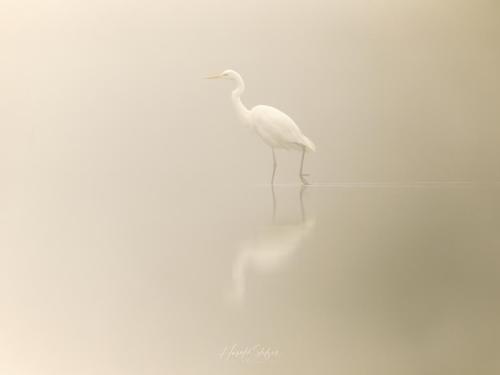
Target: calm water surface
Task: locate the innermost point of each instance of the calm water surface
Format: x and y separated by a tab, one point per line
348	278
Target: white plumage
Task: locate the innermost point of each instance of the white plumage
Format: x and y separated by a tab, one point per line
275	128
278	130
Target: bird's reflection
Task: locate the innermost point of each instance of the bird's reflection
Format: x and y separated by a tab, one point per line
270	249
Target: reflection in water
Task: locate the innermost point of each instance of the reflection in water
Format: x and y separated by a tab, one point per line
271	249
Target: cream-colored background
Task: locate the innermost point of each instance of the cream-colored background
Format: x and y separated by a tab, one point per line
388	90
130	197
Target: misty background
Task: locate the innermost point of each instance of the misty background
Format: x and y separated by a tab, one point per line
133	203
389	91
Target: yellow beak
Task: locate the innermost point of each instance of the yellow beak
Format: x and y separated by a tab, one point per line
214	77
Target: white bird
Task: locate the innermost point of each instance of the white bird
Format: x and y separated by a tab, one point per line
275	128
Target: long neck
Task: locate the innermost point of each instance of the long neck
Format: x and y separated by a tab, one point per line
242	112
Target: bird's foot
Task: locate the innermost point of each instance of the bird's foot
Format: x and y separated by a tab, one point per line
303	179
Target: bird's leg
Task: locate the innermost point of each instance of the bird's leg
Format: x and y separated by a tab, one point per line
301	174
274	203
302	210
274	167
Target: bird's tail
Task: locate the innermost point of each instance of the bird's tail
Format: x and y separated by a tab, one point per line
309	144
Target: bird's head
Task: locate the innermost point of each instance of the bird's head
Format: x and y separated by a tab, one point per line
226	74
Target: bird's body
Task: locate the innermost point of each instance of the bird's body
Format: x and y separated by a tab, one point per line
275	127
278	130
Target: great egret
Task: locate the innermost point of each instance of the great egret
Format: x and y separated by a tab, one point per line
275	128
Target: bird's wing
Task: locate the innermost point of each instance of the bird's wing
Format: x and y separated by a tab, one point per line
276	128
